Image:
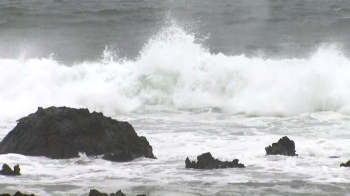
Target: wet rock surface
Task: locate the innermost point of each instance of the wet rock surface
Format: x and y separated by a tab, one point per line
7	171
207	161
347	164
284	146
62	132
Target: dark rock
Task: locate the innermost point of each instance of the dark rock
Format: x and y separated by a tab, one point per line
347	164
17	194
96	193
61	132
7	171
118	155
284	146
22	194
206	161
334	157
118	193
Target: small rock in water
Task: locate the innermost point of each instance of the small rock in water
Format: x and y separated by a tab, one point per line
284	146
94	192
206	161
22	194
7	171
334	157
118	193
347	164
16	194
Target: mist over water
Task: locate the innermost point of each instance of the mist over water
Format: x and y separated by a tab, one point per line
78	31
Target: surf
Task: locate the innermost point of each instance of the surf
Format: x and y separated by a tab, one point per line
174	70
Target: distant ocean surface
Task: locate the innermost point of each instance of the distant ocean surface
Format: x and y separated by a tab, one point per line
228	77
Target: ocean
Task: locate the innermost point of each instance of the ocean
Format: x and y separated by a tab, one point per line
228	77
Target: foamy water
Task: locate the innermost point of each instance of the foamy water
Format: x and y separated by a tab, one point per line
176	72
188	101
176	136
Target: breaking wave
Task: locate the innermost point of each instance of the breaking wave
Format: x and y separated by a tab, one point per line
175	71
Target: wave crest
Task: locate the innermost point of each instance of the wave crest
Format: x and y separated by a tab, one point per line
175	71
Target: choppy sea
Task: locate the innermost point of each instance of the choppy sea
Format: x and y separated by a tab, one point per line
228	77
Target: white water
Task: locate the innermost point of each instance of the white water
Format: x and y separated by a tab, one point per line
176	136
170	94
174	71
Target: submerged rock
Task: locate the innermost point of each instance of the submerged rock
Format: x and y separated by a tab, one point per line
61	133
7	171
284	146
334	157
206	161
347	164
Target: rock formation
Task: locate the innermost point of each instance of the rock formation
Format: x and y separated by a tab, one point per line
334	157
347	164
61	133
7	171
118	193
95	192
17	194
91	193
206	161
284	146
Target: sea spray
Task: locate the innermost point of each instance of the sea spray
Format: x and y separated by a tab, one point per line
175	71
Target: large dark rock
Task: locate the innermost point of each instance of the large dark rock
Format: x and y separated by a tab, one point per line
206	161
284	146
347	164
7	171
61	132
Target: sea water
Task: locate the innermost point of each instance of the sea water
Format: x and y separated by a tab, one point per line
226	77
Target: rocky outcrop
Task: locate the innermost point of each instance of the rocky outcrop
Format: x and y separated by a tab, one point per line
16	194
95	192
91	193
284	146
347	164
118	193
61	133
7	171
206	161
334	157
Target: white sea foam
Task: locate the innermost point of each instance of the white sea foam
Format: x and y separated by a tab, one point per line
177	136
175	71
